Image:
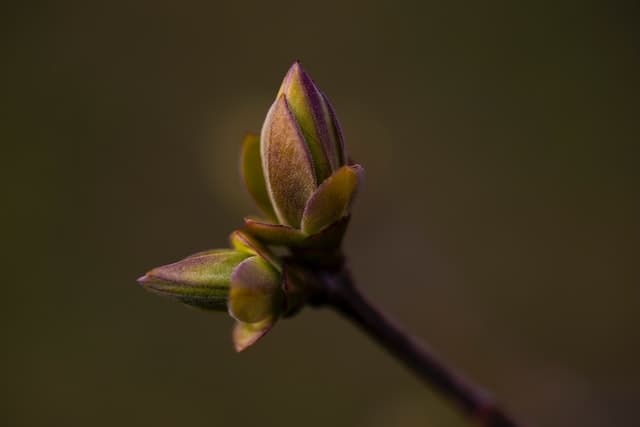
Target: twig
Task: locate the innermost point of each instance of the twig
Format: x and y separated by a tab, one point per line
341	294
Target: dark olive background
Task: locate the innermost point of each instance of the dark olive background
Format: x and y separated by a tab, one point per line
499	220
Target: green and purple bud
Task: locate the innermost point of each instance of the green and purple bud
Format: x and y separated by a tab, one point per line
201	280
297	171
246	281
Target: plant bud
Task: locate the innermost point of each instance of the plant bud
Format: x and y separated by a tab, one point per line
245	281
299	175
201	280
306	187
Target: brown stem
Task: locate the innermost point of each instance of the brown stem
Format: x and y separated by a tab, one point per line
341	294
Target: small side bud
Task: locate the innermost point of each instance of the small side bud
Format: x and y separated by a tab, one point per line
201	280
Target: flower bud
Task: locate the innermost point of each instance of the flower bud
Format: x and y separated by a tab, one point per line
246	281
300	177
201	280
306	187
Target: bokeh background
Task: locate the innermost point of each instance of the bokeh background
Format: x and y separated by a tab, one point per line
499	221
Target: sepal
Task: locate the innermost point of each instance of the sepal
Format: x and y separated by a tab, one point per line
253	175
332	199
245	243
255	292
274	234
288	167
244	335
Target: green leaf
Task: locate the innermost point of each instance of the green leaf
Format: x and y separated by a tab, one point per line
253	174
255	292
332	199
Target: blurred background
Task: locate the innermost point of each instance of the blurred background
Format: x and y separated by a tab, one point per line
499	220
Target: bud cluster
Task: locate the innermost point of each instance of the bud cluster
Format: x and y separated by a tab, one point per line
299	176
